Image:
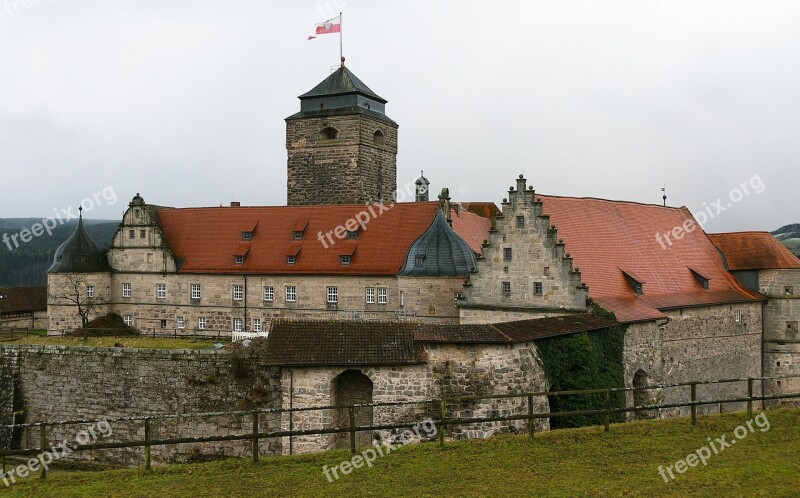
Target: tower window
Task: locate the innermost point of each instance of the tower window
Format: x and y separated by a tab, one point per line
538	288
378	137
520	222
419	260
507	253
506	288
329	134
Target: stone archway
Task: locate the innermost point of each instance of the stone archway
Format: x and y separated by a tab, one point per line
352	387
641	396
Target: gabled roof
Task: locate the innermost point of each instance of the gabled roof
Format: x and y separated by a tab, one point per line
79	254
361	343
341	82
205	240
754	251
23	299
604	237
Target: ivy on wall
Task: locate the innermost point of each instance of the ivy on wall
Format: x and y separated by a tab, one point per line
587	360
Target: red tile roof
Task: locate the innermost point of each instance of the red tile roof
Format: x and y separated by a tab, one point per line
606	238
754	251
473	228
207	239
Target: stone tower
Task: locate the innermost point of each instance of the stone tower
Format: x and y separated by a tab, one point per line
422	186
342	148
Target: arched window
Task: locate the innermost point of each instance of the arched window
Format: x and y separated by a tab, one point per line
328	133
378	137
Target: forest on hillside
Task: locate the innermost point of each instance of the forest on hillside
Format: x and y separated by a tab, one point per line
27	264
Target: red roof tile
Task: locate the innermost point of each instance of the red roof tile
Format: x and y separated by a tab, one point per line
607	237
207	239
754	251
474	229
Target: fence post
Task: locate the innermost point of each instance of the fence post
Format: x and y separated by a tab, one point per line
441	422
608	409
352	430
255	436
147	443
749	397
531	425
694	400
42	444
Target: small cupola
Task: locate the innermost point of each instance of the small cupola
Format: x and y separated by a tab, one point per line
422	188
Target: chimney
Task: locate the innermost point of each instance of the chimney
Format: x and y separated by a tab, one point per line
444	205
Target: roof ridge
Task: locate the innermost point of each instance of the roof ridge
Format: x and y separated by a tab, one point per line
616	201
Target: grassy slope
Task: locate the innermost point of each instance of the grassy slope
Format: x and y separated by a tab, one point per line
129	342
576	462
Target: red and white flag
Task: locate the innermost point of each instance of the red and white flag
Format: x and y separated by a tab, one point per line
333	25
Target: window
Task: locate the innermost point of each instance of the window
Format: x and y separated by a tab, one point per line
180	322
238	292
269	293
128	320
247	236
142	234
352	234
291	293
378	138
792	326
161	291
520	222
546	271
788	290
382	295
238	325
90	291
131	234
163	324
239	260
419	260
297	235
369	295
333	295
195	291
344	260
290	260
538	287
737	316
506	288
256	325
201	323
328	134
126	290
507	253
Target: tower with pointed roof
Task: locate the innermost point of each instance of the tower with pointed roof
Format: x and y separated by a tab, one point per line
342	148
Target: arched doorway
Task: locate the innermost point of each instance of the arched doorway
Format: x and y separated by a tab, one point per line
642	396
352	387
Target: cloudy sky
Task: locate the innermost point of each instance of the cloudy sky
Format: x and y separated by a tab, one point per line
184	101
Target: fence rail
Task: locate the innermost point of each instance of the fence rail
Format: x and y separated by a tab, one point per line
437	405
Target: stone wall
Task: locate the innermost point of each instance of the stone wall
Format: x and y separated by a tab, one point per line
352	169
451	370
696	344
58	383
781	335
62	310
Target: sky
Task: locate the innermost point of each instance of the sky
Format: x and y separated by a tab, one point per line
184	100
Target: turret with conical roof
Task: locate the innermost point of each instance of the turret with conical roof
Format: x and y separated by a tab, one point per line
342	148
79	254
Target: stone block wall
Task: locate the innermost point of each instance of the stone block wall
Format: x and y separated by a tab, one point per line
781	334
58	383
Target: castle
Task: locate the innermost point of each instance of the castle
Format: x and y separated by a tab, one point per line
435	285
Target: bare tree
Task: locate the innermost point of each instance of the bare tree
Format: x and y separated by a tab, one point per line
74	290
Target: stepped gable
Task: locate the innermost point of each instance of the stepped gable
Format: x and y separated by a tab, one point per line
615	245
754	251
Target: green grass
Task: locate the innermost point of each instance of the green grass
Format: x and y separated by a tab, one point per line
575	462
128	342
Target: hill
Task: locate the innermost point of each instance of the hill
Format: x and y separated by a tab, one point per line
28	263
789	236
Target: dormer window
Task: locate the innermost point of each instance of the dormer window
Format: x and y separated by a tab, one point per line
419	260
297	235
701	279
636	284
247	236
352	234
290	260
344	260
328	133
239	260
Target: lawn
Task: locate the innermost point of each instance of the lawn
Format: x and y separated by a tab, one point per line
575	462
128	341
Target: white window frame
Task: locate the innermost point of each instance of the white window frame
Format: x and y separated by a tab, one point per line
737	316
201	323
180	322
127	290
344	260
238	325
128	320
369	295
238	292
291	293
161	291
383	295
90	291
333	295
256	325
195	291
269	293
239	260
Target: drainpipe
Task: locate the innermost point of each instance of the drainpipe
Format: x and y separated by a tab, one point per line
245	303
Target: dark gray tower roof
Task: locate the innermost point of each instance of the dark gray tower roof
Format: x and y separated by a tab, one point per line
341	93
79	254
438	252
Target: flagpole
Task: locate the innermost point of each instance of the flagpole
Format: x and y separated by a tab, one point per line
341	55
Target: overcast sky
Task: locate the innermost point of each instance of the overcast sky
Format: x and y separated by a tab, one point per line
184	101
